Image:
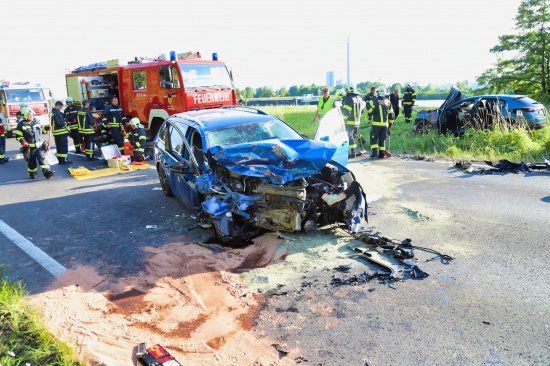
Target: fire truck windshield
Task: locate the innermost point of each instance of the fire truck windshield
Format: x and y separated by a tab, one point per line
205	76
24	95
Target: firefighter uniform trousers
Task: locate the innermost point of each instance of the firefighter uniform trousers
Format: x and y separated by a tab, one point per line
86	129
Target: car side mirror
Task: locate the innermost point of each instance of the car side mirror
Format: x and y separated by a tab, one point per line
182	167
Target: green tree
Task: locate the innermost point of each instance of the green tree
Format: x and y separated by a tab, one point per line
248	92
527	70
282	92
293	90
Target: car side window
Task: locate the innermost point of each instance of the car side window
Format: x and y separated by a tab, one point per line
176	141
194	140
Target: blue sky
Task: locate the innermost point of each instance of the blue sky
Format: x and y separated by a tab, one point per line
266	43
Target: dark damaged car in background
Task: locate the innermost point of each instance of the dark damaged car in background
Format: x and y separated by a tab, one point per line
458	114
247	171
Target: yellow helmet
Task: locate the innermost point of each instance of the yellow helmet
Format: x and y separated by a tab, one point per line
26	111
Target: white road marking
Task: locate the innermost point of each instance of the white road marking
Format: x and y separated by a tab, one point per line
50	264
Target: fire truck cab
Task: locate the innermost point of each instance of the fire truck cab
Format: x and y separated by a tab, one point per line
36	97
154	89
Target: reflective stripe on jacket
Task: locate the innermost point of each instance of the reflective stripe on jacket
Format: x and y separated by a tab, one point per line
351	109
59	126
31	132
409	97
381	111
70	117
86	122
114	116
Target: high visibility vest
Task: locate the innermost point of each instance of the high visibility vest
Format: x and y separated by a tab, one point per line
409	97
324	106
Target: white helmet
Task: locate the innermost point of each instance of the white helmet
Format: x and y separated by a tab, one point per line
135	122
381	91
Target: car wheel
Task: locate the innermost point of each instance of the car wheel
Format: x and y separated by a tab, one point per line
422	127
164	181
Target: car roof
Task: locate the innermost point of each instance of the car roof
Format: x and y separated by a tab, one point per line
214	119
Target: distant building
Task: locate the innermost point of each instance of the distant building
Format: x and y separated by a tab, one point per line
339	82
330	79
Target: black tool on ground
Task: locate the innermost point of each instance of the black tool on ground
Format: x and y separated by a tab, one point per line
154	356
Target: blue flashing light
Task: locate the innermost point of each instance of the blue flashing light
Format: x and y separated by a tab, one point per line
173	56
4	86
215	56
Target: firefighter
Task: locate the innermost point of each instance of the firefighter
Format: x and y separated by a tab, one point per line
370	96
60	132
137	138
4	127
382	118
86	128
30	134
409	97
325	104
351	109
70	114
113	122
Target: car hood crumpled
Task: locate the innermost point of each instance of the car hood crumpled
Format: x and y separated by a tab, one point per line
281	161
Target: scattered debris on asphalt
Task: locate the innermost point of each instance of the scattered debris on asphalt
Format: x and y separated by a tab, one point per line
281	348
503	166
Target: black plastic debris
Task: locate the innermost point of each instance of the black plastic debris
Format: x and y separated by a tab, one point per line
503	166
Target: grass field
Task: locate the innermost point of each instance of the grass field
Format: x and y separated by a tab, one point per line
23	340
517	145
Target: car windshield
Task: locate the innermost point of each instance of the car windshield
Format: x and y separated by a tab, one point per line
197	76
24	95
251	132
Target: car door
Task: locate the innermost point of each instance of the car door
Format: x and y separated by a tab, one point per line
182	184
332	129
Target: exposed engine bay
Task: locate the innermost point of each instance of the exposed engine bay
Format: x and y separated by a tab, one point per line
241	206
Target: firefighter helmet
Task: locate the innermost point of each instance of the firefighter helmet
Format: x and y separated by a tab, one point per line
340	94
135	122
350	87
69	100
381	91
23	105
26	111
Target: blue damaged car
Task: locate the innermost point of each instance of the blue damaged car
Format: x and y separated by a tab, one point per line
248	171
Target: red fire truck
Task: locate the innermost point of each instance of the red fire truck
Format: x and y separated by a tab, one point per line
36	98
153	89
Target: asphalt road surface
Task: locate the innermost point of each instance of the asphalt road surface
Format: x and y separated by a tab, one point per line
490	305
